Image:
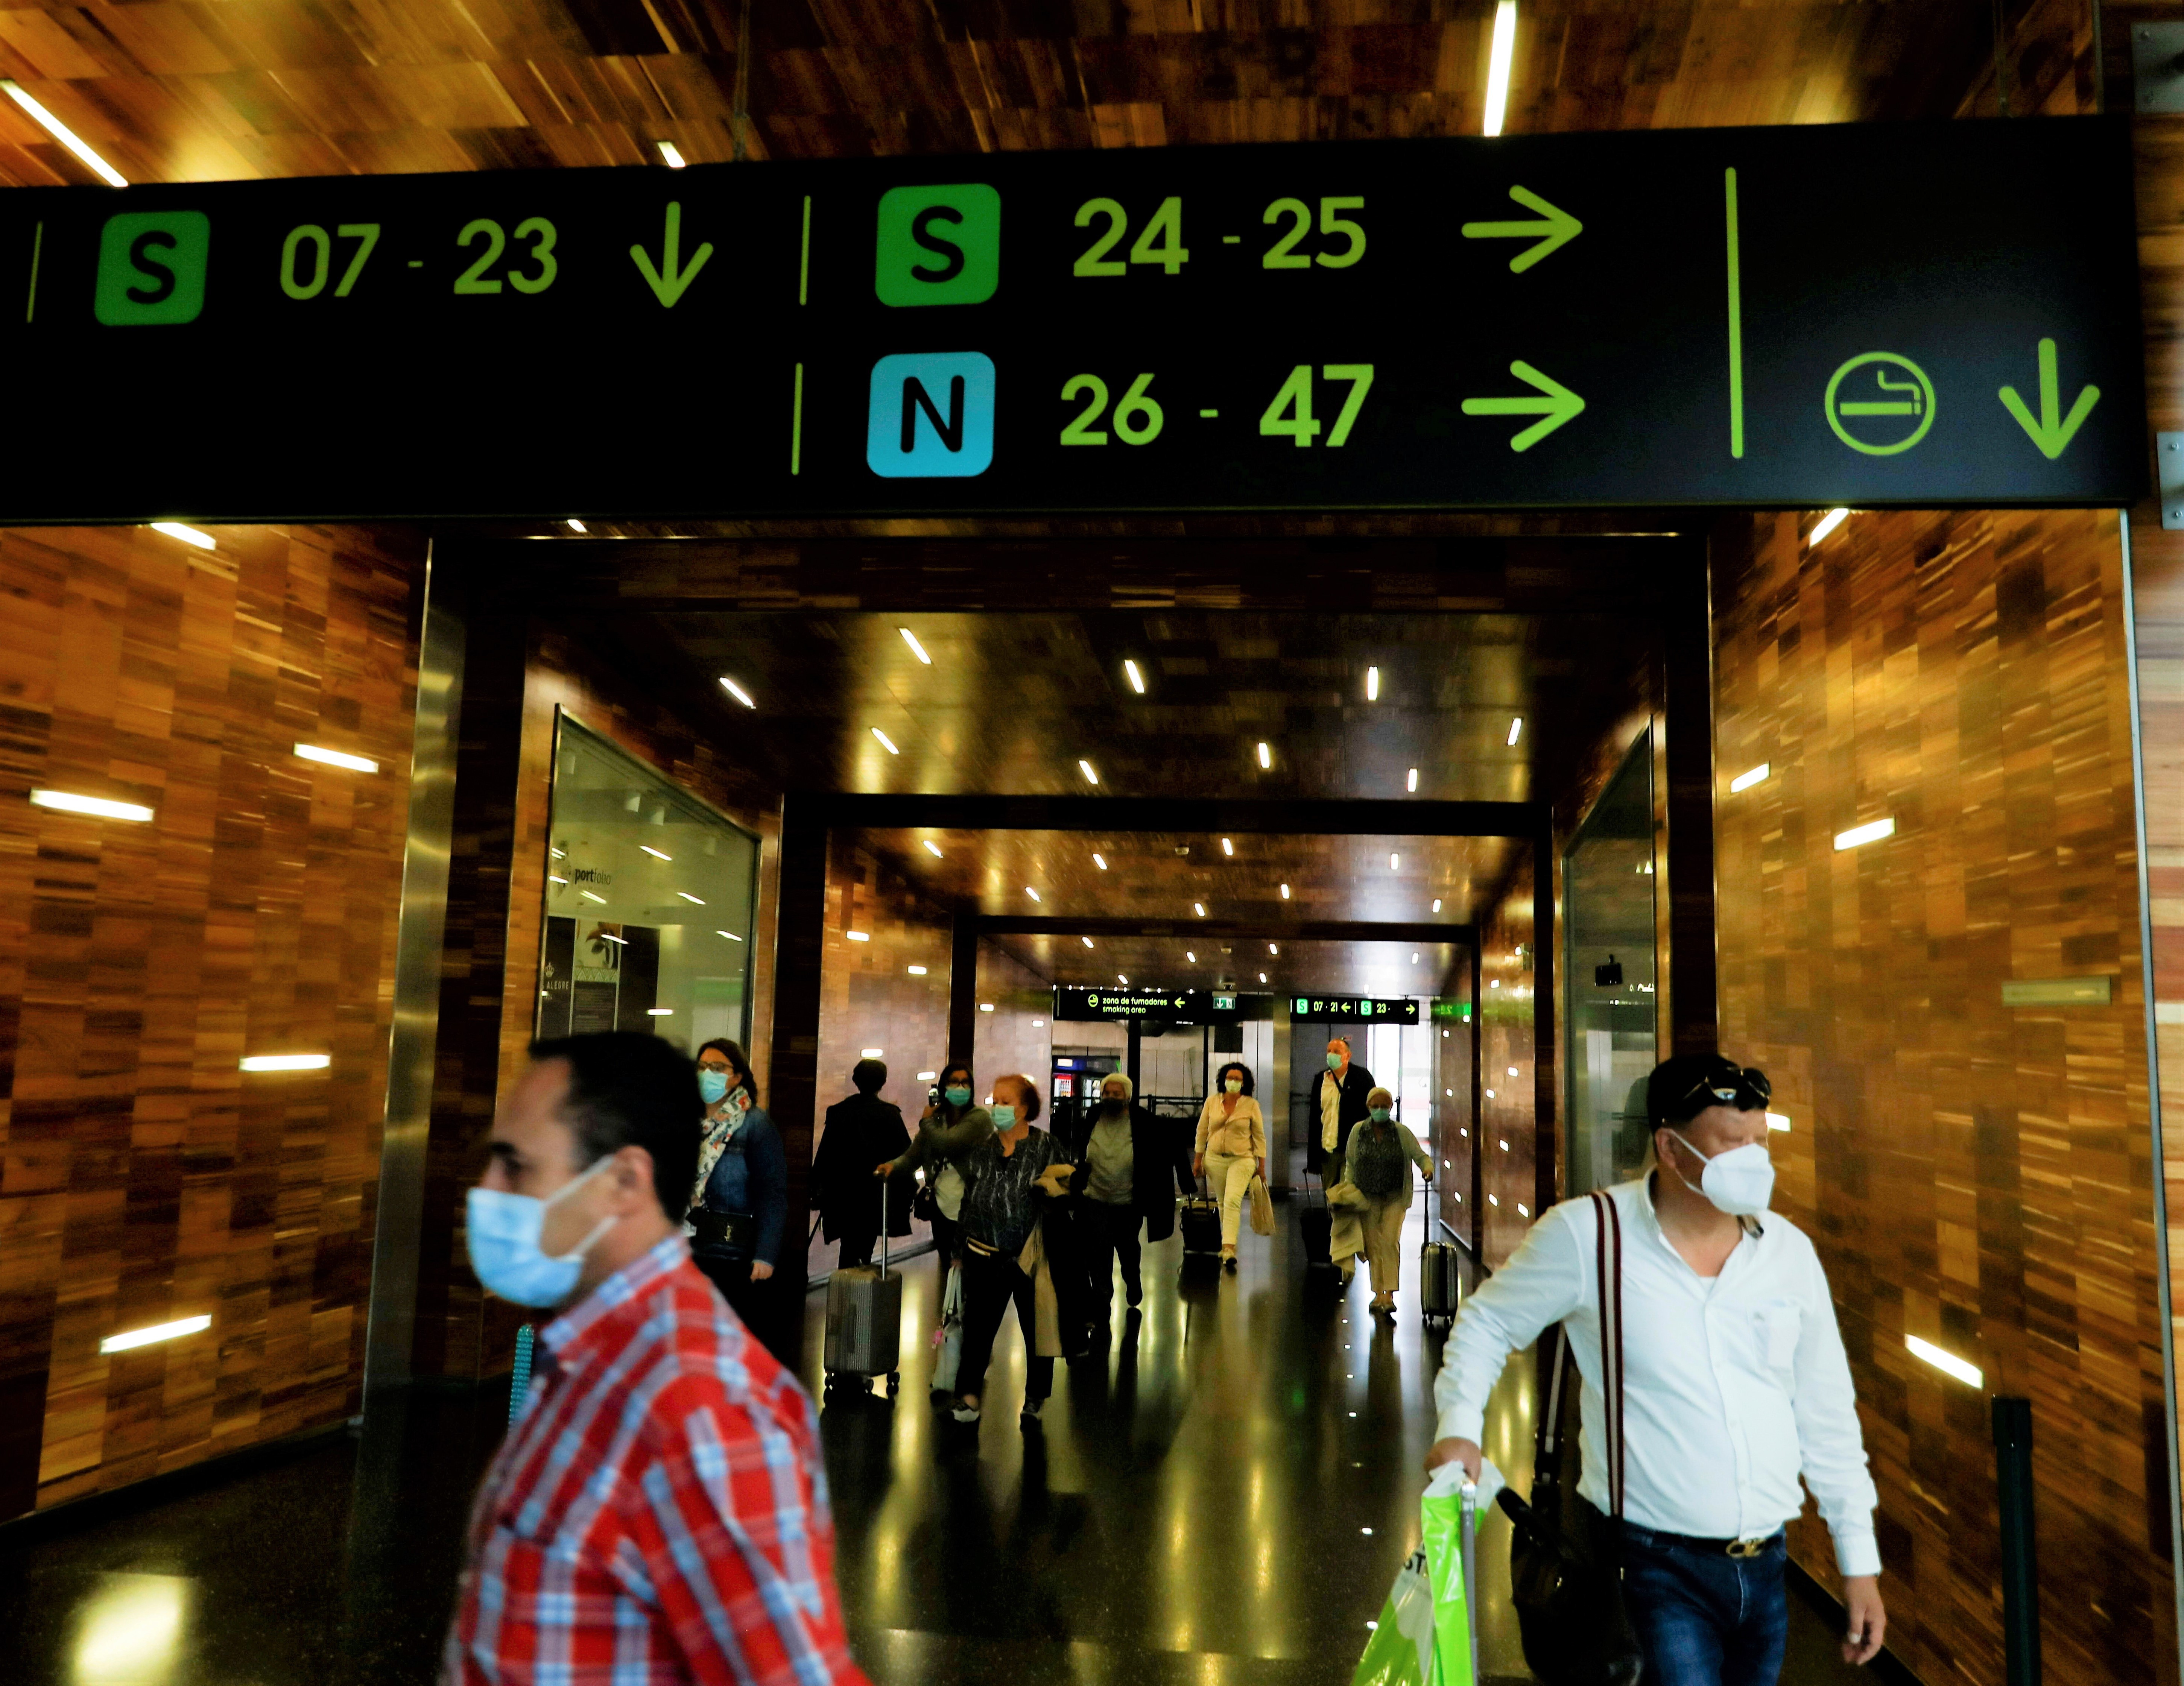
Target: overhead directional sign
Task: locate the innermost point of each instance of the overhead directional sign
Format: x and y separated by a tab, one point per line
1851	314
1072	1002
1364	1010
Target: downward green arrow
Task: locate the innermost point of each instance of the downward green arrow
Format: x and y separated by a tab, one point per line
1556	403
2052	433
669	282
1559	229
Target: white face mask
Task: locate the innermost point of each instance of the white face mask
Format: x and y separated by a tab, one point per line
1740	1182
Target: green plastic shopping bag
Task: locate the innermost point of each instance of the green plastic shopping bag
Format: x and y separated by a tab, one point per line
1423	1636
1400	1652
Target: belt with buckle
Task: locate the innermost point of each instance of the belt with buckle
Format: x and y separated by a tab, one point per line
1729	1547
1746	1548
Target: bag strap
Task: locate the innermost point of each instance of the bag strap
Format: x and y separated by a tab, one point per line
1609	1266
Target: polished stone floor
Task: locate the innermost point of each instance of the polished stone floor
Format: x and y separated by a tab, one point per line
1225	1498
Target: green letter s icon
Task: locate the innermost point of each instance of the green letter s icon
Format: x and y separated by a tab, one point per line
938	245
152	268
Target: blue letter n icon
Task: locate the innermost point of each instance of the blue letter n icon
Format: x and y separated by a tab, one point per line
932	416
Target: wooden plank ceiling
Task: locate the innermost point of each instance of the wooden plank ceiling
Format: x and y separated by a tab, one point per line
186	90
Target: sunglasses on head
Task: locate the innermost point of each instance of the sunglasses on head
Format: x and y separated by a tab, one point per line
1744	1087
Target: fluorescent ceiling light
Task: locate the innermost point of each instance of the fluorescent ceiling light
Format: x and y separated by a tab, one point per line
1516	726
671	155
873	1053
1274	949
927	1076
658	1012
917	972
287	1062
916	648
1285	893
1394	862
655	852
1198	908
1262	977
687	897
1121	978
1826	525
1030	892
1414	960
1137	679
1499	58
1521	1211
608	937
1189	956
730	935
1947	1362
932	849
886	742
576	525
986	1006
1412	782
1512	1071
60	131
1745	780
1266	756
1086	768
203	541
1099	860
158	1331
1088	941
589	897
737	692
1228	847
858	935
1371	684
98	806
1038	1024
1778	1121
1872	832
1436	906
335	757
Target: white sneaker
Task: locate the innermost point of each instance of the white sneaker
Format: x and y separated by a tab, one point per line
965	1413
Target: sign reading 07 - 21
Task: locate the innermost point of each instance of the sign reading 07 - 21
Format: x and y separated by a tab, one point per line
1860	315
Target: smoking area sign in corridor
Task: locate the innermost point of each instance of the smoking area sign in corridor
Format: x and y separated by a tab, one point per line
1863	314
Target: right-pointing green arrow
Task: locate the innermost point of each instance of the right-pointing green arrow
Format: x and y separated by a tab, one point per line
1556	230
2054	432
1556	404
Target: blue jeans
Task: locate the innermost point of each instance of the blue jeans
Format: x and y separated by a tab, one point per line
1702	1617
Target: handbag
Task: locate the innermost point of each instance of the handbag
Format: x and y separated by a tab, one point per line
948	1338
1565	1557
1262	1208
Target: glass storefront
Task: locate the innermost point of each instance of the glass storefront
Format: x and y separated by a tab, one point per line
1608	899
649	903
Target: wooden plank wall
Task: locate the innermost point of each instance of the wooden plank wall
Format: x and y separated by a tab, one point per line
1973	1174
143	1177
520	672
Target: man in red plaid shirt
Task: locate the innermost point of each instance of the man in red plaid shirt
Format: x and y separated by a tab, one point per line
659	1512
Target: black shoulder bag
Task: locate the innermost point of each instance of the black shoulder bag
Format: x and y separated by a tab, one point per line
1565	1558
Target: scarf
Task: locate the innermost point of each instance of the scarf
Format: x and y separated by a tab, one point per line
718	1135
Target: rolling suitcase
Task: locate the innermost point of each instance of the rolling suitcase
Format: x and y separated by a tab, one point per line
1200	1223
1437	1279
1317	1224
864	1320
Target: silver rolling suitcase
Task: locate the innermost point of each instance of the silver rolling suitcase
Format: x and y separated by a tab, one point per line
1437	1274
864	1321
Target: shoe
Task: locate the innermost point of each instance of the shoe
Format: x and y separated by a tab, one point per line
1228	1264
967	1410
1031	1410
1136	1295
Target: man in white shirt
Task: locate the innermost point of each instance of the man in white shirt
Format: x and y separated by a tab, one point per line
1735	1383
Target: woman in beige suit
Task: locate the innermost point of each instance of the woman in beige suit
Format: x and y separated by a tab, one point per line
1231	1150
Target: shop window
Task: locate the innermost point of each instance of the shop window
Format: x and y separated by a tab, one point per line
649	896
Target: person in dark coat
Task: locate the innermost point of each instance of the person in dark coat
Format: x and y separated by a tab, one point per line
1337	1106
1130	1166
860	1131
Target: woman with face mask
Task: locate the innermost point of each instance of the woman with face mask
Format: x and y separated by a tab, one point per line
1231	1150
740	1204
950	1130
1378	1164
1013	1177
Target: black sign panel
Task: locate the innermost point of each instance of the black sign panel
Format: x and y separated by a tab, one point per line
1364	1010
1074	1003
1791	317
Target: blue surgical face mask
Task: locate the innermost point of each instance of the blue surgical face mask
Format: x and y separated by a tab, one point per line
713	1086
1005	1117
503	1236
957	1095
1381	1115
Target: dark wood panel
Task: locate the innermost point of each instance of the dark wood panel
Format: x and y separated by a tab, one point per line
1974	1175
1515	1113
143	1177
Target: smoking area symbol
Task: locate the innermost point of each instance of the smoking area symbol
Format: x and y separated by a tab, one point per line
1873	409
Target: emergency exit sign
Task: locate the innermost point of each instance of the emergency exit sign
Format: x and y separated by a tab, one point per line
1861	315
